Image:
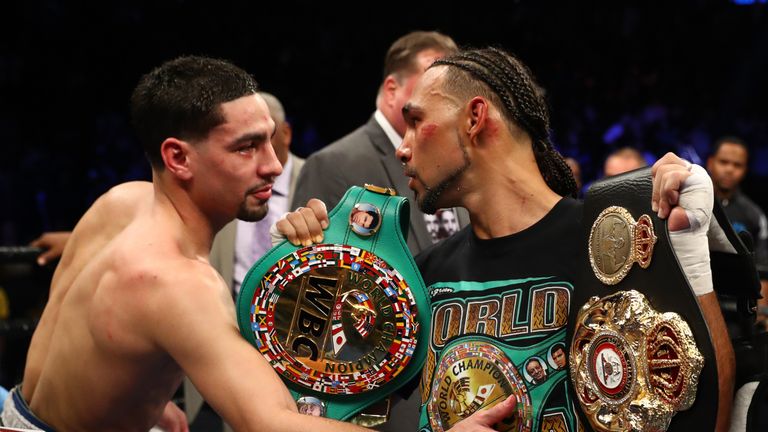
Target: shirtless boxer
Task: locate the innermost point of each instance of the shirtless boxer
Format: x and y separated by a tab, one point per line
134	304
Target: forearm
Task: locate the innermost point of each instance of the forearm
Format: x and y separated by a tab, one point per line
291	421
724	357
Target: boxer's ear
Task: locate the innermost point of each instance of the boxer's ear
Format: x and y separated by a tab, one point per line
175	154
477	110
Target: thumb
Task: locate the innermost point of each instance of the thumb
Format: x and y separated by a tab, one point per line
501	411
678	219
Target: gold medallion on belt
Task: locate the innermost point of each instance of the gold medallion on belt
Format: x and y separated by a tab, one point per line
633	368
472	376
335	319
617	241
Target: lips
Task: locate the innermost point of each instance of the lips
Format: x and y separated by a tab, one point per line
411	174
262	194
411	182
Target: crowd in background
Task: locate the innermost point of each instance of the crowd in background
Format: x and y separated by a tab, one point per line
625	84
658	78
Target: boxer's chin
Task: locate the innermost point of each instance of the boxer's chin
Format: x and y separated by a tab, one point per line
252	214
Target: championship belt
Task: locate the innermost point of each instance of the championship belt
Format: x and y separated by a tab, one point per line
341	321
640	355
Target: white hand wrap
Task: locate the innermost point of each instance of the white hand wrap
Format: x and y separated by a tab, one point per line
691	244
275	234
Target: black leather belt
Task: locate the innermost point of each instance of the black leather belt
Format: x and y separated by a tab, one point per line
633	364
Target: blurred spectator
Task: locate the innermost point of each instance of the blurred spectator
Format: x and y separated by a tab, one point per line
727	165
623	160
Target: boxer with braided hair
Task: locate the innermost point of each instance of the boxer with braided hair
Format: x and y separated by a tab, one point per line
477	136
513	85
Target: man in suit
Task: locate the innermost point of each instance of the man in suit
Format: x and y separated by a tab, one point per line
367	155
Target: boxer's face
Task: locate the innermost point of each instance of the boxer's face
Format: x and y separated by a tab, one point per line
433	149
236	165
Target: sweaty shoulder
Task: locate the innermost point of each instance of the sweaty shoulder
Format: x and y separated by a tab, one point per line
124	200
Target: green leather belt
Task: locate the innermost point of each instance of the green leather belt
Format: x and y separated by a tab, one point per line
341	322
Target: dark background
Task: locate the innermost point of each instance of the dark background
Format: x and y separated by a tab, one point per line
658	75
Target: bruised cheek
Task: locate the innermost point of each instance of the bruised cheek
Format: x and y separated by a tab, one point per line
428	131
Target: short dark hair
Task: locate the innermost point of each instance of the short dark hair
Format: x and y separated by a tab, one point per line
401	56
182	98
728	139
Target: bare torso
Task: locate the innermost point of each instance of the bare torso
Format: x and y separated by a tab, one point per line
133	303
93	364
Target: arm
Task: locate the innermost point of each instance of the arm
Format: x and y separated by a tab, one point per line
684	196
194	322
724	356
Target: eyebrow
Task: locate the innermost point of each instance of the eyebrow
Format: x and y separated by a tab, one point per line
252	136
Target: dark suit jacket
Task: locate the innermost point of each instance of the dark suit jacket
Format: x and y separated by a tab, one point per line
364	156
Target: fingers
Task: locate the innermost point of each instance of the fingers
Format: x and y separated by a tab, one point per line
38	242
668	175
48	256
669	159
321	213
173	419
663	164
184	422
500	411
305	225
678	219
484	420
53	243
669	193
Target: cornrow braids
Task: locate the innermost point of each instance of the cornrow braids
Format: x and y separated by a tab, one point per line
513	87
